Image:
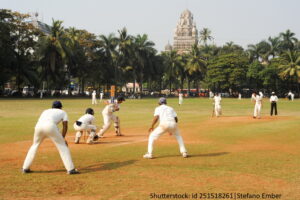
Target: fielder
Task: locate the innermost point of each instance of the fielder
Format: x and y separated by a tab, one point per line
101	96
167	123
258	103
85	123
217	103
108	116
240	96
273	100
180	98
94	100
47	127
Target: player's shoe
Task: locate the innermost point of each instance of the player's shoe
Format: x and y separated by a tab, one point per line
185	155
96	137
148	156
73	171
26	171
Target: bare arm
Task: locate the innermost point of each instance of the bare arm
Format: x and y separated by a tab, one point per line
154	121
65	128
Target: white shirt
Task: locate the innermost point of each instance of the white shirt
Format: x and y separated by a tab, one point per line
258	99
273	98
53	115
101	94
94	95
180	96
87	119
217	100
110	108
165	113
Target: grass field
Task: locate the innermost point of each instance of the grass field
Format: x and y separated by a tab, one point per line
231	154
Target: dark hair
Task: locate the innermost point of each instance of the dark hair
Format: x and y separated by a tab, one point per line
120	98
56	104
89	111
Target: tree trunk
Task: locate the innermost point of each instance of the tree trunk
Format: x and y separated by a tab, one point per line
189	87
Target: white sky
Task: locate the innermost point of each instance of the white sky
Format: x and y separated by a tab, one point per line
241	21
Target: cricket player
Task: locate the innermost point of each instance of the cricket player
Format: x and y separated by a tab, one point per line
94	100
85	123
273	100
180	98
46	127
167	123
258	103
217	105
108	116
101	96
240	96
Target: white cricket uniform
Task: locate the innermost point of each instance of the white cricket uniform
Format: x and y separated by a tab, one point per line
180	100
218	108
167	123
94	100
108	117
240	96
86	125
47	127
101	96
257	107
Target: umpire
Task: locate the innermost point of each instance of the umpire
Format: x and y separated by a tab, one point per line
273	100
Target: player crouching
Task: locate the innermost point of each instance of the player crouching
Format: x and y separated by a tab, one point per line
85	123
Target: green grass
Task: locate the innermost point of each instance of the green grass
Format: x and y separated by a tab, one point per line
233	153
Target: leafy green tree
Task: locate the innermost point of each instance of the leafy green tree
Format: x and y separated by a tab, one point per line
53	56
290	67
227	71
144	51
288	40
205	36
196	65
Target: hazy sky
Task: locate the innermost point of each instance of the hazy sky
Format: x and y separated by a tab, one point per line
240	21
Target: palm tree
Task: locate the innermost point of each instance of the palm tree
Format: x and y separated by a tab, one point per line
288	40
144	50
290	67
172	61
126	54
205	35
274	46
196	65
52	55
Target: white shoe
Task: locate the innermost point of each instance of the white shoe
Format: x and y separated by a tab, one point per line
185	155
90	141
77	140
148	156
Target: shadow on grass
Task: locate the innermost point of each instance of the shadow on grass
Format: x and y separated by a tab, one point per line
106	166
196	155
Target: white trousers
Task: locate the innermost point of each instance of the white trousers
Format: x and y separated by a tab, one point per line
257	110
160	130
50	130
85	127
218	110
94	101
107	119
180	101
